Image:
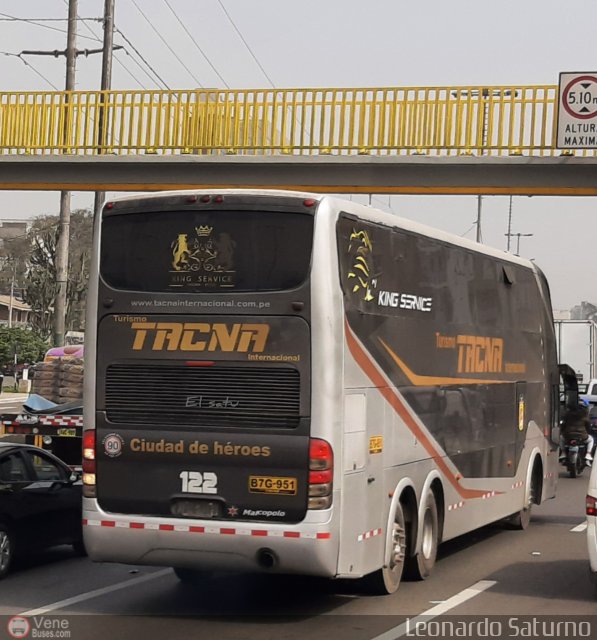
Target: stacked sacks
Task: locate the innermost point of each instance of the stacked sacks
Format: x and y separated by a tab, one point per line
60	380
71	380
46	380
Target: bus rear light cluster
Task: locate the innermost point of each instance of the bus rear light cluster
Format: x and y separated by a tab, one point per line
89	463
208	198
591	506
321	473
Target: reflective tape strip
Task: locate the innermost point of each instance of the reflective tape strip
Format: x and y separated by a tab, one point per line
457	505
368	534
45	420
222	531
60	421
517	485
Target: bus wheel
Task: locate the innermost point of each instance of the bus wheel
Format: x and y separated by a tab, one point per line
386	580
419	566
192	577
522	519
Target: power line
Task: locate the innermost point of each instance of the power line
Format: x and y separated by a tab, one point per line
245	43
28	64
469	229
137	63
196	44
388	205
38	24
132	46
15	19
115	58
166	43
50	227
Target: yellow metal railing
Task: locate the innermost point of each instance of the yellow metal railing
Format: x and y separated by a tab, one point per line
495	121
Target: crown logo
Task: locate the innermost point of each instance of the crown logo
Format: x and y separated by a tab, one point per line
204	230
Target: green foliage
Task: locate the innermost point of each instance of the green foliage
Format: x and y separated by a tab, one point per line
40	277
29	345
13	262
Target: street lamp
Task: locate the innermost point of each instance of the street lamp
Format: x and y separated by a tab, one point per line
518	236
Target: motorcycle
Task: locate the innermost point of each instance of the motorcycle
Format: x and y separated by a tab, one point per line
574	457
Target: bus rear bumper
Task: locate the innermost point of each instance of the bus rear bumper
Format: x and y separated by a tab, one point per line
306	549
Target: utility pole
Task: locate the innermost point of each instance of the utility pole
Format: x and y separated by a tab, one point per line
71	52
106	85
479	237
64	224
509	234
12	293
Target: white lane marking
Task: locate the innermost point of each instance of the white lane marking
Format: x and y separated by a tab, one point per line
426	616
13	399
94	594
580	527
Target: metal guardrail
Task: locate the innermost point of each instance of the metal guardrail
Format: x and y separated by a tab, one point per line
440	121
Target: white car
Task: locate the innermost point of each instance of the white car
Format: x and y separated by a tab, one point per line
592	522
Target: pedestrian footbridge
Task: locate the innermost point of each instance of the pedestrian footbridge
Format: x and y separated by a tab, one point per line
495	139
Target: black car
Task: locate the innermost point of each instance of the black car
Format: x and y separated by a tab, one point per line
40	503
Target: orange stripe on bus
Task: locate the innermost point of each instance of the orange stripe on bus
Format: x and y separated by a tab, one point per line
367	365
419	380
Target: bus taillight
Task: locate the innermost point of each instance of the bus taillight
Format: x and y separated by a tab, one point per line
321	473
591	506
89	463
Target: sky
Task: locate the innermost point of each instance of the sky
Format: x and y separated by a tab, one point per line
244	44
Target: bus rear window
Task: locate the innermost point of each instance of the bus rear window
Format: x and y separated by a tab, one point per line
206	251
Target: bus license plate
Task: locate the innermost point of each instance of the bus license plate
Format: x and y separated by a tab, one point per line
69	433
272	484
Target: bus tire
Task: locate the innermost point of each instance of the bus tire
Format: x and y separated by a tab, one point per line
192	577
386	580
420	565
79	547
7	549
521	520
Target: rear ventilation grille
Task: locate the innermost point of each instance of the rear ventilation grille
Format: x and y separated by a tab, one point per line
215	396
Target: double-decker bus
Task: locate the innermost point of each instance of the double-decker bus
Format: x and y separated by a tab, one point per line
292	383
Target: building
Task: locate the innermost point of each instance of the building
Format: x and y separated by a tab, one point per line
13	312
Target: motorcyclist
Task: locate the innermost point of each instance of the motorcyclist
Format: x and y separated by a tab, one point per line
575	426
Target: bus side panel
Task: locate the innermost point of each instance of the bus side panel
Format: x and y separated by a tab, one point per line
363	508
455	342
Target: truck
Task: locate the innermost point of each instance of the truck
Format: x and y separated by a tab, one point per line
52	415
576	346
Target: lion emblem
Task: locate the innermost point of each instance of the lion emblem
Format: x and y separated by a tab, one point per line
360	245
180	252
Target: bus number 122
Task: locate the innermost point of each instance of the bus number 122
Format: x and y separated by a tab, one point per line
197	482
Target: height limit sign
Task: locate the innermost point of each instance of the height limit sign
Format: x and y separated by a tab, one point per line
577	111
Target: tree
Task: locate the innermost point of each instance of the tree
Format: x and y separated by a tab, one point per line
13	263
28	345
40	277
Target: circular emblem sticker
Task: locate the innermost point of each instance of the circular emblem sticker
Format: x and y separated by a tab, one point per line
18	627
113	444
